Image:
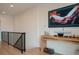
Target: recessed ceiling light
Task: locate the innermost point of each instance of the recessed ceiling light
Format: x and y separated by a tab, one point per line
3	12
11	6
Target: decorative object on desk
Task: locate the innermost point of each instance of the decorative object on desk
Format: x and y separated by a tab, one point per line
60	34
70	36
49	50
46	33
73	36
77	36
55	35
66	36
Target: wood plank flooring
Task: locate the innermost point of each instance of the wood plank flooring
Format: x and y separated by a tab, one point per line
6	49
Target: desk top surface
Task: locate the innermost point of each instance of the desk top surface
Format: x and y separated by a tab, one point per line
52	37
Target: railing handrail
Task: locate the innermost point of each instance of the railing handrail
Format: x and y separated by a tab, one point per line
13	32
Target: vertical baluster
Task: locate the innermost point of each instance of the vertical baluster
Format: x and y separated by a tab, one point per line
8	37
2	36
24	43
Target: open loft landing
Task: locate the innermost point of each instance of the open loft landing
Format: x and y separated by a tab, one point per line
39	29
6	49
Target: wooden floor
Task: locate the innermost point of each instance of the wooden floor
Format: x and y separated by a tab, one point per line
6	49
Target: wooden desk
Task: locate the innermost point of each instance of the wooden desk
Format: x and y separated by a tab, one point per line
44	39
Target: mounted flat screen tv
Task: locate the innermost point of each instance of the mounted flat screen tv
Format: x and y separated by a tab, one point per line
64	17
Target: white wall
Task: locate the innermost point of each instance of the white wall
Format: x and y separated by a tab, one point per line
59	46
27	22
6	23
35	21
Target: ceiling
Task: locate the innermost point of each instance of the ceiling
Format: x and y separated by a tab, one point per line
18	8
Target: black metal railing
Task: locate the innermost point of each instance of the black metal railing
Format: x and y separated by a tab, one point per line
16	39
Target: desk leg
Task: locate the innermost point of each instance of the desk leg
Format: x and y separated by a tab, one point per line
42	44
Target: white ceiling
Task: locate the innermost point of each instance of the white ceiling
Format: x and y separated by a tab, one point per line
18	8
